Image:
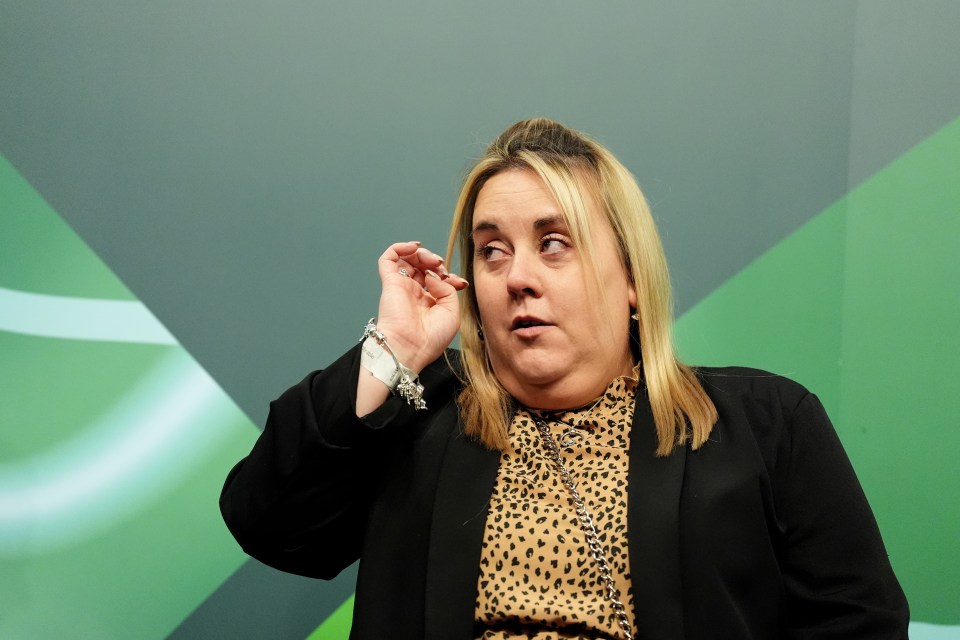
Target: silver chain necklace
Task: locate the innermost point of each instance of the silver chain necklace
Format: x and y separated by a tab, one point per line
586	523
566	438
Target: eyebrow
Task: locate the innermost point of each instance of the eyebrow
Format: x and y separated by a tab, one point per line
539	223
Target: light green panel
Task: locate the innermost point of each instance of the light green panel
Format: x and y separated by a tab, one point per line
862	305
337	626
901	342
112	454
40	253
137	578
88	375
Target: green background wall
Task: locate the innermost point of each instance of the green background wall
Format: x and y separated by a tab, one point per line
193	196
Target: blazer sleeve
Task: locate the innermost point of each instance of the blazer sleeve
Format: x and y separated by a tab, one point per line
299	501
837	576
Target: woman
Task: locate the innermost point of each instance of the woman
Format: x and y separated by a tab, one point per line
563	475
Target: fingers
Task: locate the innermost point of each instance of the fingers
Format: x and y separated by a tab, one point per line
398	249
441	274
432	264
424	259
455	281
410	259
438	288
407	270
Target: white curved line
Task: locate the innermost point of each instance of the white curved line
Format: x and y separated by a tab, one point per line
156	435
927	631
39	314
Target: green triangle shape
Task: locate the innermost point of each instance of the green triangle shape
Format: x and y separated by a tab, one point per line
112	454
862	305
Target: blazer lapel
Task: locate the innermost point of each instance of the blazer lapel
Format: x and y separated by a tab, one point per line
653	500
466	479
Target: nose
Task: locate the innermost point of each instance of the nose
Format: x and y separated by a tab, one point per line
523	276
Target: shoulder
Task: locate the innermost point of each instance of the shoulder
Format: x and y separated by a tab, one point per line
739	385
771	407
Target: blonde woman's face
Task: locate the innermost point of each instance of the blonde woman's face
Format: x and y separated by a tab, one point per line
550	342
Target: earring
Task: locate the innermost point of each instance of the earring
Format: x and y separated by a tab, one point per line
480	334
635	316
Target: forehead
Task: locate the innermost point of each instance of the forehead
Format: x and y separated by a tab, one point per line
513	190
520	196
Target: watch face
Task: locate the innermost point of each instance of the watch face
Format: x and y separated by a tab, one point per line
375	359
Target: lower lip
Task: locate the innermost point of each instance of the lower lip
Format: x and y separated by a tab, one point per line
531	332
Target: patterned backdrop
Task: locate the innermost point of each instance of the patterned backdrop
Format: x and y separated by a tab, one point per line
193	197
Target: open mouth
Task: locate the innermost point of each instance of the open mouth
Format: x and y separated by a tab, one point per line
526	323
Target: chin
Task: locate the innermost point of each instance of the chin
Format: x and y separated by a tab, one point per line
539	375
539	378
527	368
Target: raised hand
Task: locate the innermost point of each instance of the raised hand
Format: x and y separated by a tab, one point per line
419	313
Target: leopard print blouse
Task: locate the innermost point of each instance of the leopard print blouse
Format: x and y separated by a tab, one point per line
537	577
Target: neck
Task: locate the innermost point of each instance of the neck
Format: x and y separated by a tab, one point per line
567	395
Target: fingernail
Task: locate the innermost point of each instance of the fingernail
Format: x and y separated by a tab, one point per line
431	273
443	271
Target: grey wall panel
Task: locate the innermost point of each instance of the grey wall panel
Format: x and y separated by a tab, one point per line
242	169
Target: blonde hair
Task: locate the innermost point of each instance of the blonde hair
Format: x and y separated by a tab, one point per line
569	162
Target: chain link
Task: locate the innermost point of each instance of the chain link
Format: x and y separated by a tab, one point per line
589	530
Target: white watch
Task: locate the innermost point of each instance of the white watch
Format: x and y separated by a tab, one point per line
378	358
382	365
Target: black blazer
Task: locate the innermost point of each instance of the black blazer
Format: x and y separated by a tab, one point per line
762	533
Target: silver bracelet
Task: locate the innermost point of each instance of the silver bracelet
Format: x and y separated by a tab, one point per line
401	381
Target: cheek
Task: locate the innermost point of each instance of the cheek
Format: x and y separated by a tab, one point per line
483	291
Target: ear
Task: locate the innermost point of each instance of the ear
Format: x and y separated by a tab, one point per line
632	295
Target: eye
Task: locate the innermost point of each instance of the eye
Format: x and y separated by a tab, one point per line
553	244
490	252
